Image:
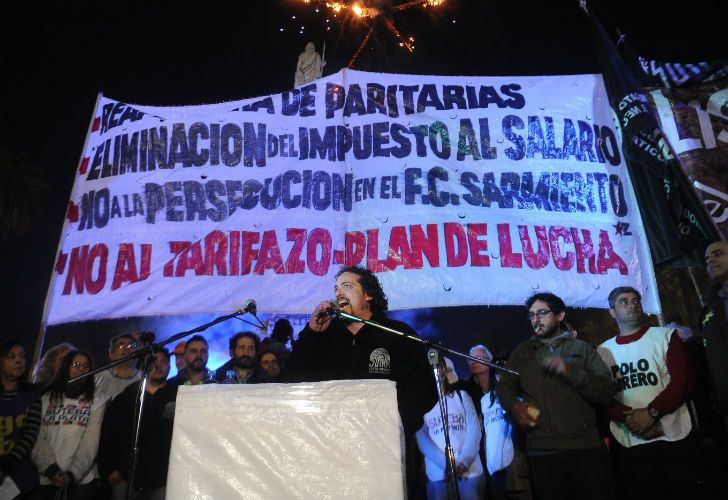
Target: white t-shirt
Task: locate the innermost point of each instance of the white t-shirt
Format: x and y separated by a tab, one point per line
498	442
69	436
465	431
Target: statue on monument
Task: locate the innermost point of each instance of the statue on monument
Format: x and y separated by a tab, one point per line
310	65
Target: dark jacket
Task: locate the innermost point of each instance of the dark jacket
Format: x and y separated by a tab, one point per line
257	376
567	403
117	431
336	354
715	336
183	378
20	414
221	372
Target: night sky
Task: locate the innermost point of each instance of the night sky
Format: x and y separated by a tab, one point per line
55	56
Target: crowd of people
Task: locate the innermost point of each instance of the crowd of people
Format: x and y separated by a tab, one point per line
641	416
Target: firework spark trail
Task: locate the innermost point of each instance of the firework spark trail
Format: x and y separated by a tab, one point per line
409	5
361	47
360	10
403	42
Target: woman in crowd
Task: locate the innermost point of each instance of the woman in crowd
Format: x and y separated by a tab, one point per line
65	452
20	409
498	442
45	373
465	431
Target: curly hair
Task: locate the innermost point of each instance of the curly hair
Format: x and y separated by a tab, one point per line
233	342
555	303
370	283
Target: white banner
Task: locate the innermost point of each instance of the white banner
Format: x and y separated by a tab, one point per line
455	190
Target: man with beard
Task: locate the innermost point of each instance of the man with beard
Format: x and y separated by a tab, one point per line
269	363
658	455
196	355
562	380
243	368
339	349
155	436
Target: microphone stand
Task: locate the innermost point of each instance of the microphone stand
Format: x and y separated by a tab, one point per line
146	355
451	477
453	493
423	341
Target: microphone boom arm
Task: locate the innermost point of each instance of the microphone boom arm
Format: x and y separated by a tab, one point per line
428	343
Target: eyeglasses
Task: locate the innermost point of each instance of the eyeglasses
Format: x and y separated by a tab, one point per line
541	314
80	365
125	347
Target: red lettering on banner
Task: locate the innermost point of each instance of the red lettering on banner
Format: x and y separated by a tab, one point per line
234	253
399	253
427	245
355	245
319	237
477	246
249	253
534	260
81	269
373	262
608	259
72	212
84	165
456	247
270	254
562	262
584	251
509	258
76	270
61	262
216	249
101	252
294	263
126	271
146	268
176	247
188	256
191	258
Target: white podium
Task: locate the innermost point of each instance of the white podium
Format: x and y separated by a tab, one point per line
325	440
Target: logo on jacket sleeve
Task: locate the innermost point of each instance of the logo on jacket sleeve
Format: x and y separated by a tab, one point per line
379	362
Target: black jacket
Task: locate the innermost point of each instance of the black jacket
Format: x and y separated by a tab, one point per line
337	354
117	431
715	335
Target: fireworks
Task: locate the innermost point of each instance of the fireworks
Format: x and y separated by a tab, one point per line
360	10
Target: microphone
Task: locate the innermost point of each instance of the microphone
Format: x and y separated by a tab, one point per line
331	309
147	338
434	357
250	307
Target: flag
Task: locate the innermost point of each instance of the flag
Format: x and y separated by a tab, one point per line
677	226
654	73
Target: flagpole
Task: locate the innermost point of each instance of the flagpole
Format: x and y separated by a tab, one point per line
40	340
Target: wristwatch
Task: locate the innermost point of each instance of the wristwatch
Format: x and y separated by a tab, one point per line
653	413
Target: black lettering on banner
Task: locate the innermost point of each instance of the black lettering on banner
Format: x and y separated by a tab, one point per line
631	375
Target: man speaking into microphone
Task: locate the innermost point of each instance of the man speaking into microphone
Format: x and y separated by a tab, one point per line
332	348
